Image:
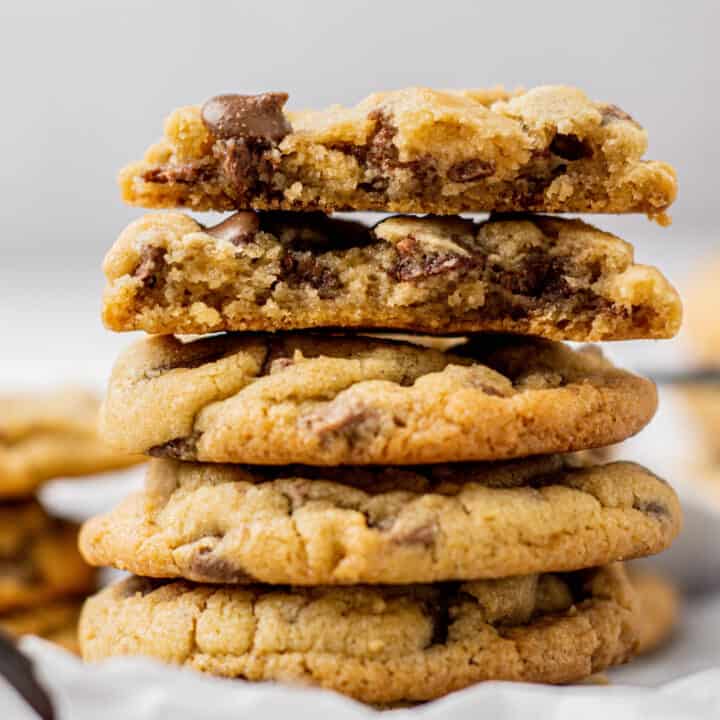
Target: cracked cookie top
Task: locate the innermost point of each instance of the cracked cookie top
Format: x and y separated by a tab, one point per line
318	526
376	644
338	400
415	150
525	274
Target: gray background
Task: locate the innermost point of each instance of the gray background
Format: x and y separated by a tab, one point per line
86	86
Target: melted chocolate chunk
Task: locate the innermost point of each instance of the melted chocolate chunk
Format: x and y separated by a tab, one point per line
197	360
380	154
343	418
303	268
415	263
471	170
652	507
182	448
185	174
238	229
315	231
213	569
423	535
246	129
247	116
570	147
151	260
613	113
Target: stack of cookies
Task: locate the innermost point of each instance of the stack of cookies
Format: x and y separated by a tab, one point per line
43	578
382	517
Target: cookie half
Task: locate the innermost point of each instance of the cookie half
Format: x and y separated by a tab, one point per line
559	279
376	644
417	150
39	558
320	526
45	435
331	400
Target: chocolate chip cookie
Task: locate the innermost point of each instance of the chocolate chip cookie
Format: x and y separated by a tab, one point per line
51	434
376	644
550	149
57	622
560	279
320	526
658	609
339	400
39	558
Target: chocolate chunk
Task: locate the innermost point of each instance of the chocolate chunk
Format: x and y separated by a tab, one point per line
303	268
652	507
182	448
238	229
185	174
349	418
315	231
613	113
570	147
206	567
422	535
414	263
197	359
247	116
135	585
151	260
382	154
380	150
539	275
468	170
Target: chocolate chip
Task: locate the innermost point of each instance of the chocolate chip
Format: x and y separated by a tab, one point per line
206	567
414	263
140	586
151	260
185	174
538	275
468	170
422	535
570	147
315	231
247	116
238	229
182	448
613	113
652	507
348	418
304	268
205	356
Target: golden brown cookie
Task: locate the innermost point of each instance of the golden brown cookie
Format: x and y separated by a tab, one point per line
320	526
703	323
703	403
550	149
330	400
376	644
39	558
658	609
56	622
44	435
559	279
